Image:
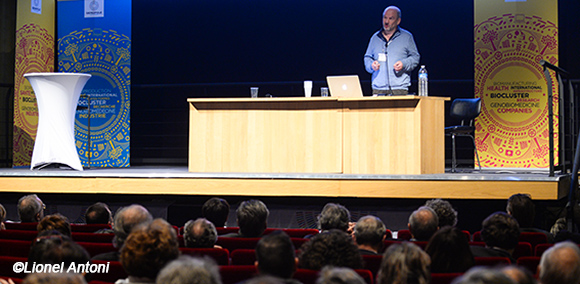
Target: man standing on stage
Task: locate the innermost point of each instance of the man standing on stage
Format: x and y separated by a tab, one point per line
391	56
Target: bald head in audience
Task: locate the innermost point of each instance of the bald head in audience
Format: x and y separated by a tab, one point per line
560	264
30	209
200	233
423	223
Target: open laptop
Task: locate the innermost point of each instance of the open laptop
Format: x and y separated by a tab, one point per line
347	86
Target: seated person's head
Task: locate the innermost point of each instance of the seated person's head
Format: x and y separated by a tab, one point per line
252	217
521	207
98	213
449	251
483	275
126	219
148	249
30	209
54	278
275	255
187	269
404	263
200	233
500	230
423	223
333	216
445	213
2	217
55	222
339	275
51	247
560	264
216	210
370	231
519	274
332	247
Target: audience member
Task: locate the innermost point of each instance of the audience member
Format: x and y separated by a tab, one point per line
369	234
51	247
404	263
275	256
55	222
332	247
200	233
522	208
30	209
190	270
126	219
423	223
99	213
560	264
2	217
54	278
519	274
483	275
445	212
147	250
334	216
449	251
216	210
252	218
339	275
500	232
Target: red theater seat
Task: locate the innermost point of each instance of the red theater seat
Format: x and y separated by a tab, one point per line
221	256
404	235
372	263
541	248
243	257
443	278
226	230
15	248
20	226
21	235
237	243
115	273
6	264
97	248
530	263
232	274
533	238
92	237
88	228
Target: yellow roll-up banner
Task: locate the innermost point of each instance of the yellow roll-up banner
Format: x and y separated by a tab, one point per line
510	38
35	30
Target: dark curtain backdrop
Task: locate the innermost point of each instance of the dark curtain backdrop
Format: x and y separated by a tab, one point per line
187	49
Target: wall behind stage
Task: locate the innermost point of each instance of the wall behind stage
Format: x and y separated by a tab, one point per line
204	48
262	40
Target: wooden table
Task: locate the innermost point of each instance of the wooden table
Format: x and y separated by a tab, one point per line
370	135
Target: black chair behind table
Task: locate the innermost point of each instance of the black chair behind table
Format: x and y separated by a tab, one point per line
465	110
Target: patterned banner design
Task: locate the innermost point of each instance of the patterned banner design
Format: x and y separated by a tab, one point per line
34	53
510	40
101	47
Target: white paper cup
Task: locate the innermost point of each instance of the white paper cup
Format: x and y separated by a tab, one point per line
308	89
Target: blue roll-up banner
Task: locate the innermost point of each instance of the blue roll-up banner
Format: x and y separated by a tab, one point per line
94	36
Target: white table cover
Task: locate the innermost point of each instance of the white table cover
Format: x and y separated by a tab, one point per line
57	95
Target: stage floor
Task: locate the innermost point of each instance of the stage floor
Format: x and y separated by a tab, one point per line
167	180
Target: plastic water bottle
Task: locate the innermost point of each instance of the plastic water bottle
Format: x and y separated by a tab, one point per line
423	82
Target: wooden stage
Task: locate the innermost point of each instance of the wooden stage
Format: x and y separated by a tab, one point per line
164	180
